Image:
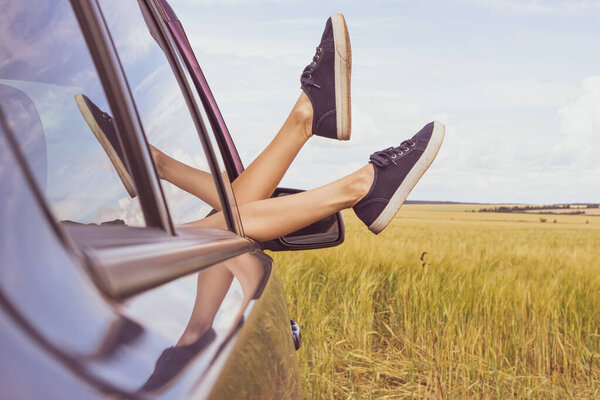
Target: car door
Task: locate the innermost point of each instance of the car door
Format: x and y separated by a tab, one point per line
111	290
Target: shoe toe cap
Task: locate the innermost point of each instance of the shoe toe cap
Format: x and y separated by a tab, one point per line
425	132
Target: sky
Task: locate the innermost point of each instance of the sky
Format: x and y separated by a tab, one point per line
517	84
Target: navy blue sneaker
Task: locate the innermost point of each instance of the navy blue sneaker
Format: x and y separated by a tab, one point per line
397	171
173	359
326	81
102	126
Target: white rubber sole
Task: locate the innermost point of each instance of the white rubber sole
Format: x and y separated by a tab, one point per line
388	213
105	143
343	69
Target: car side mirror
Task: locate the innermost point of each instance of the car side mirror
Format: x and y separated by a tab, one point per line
328	232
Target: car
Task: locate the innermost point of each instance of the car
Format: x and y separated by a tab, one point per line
105	291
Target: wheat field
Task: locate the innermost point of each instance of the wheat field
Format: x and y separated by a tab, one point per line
448	303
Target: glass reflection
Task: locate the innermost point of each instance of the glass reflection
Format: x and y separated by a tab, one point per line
163	111
198	313
44	64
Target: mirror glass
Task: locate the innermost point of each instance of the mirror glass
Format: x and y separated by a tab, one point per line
323	231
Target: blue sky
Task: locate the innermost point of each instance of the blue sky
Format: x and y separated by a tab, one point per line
517	83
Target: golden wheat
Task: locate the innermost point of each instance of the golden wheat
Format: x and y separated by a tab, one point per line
449	303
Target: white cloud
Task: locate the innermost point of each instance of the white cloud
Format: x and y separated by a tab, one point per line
580	127
126	209
526	93
580	117
541	7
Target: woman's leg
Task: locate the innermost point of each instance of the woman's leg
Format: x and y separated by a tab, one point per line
271	218
261	177
190	179
211	287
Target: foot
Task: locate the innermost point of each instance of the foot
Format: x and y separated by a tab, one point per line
173	359
103	128
326	81
397	171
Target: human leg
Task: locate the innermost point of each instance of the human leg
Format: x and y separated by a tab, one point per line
211	287
268	219
262	176
376	192
323	108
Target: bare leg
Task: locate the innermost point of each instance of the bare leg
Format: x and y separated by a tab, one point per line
271	218
212	286
190	179
261	177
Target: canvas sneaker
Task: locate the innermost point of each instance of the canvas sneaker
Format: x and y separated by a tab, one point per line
397	171
173	359
103	128
326	81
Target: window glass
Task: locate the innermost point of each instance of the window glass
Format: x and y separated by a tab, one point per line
45	67
165	116
215	145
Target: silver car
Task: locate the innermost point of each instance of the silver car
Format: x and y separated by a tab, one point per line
104	291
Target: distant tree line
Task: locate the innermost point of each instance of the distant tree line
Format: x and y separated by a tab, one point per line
549	208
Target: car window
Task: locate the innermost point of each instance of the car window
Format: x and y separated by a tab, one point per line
164	113
57	109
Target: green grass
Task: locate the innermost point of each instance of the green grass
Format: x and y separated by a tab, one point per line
504	307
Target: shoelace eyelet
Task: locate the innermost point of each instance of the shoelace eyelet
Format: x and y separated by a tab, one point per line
309	76
319	50
413	144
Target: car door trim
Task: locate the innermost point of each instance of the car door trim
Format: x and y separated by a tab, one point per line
124	271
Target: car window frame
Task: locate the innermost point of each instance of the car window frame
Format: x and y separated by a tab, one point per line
136	147
176	56
232	159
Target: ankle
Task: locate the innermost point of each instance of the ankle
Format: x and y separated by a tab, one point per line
361	183
302	115
159	161
193	332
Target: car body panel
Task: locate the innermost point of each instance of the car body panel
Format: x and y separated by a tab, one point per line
263	362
